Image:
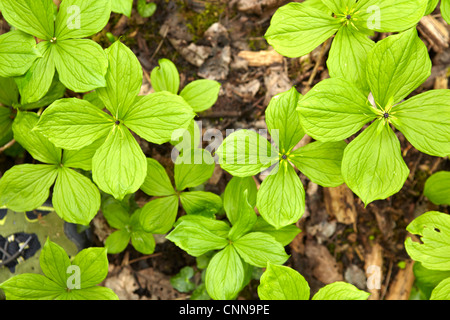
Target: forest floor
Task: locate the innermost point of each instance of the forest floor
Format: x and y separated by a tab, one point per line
341	240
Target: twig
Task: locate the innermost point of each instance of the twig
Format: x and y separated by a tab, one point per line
8	145
145	257
318	62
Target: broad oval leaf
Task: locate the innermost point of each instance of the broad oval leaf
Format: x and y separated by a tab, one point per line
93	264
122	6
201	203
165	77
340	291
17	53
31	286
54	262
437	188
282	283
193	168
157	182
119	166
442	291
234	196
201	94
372	165
117	241
159	215
334	110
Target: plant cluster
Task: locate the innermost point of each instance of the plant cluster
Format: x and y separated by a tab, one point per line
89	157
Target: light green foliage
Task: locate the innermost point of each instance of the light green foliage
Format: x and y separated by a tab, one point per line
437	188
284	283
281	198
296	29
81	63
118	165
63	278
336	109
25	187
122	6
191	170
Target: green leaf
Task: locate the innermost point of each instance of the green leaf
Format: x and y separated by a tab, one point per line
156	116
17	53
31	286
434	231
54	262
81	63
432	4
115	212
159	215
119	166
234	196
396	66
427	130
296	29
74	123
387	16
281	197
218	227
283	121
437	188
33	141
9	93
427	279
123	80
36	82
145	9
225	275
93	264
340	291
93	293
246	153
372	165
321	162
201	202
195	238
187	139
122	6
143	242
117	241
201	94
193	168
82	158
6	121
445	10
257	249
182	280
55	92
157	182
27	186
81	19
246	218
442	291
33	17
334	110
283	235
348	57
282	283
339	6
75	198
165	77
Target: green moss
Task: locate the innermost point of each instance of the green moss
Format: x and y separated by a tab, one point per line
198	23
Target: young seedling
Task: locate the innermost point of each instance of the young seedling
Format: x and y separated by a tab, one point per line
298	28
199	94
159	215
281	198
122	216
437	188
81	63
336	109
238	247
63	278
433	249
146	9
25	187
119	166
10	102
284	283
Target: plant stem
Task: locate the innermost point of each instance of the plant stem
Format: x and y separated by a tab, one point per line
6	146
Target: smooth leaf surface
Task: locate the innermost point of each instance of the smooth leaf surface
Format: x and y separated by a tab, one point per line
54	262
282	283
340	291
17	53
334	110
93	264
193	168
234	196
437	188
165	77
246	219
117	241
296	29
31	286
201	94
201	202
119	166
372	165
122	6
283	235
159	215
442	291
82	158
157	182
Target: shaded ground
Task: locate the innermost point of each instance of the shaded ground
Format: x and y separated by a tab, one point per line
341	239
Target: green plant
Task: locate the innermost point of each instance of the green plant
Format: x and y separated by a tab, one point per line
119	166
25	187
63	278
437	188
432	252
297	28
190	171
445	8
336	109
281	198
284	283
81	63
243	244
146	9
125	217
10	103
